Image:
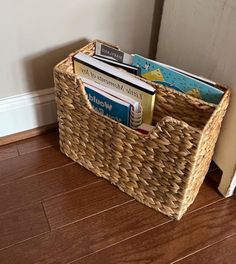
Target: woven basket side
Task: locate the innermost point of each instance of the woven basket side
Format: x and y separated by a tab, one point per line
163	169
153	169
204	153
183	107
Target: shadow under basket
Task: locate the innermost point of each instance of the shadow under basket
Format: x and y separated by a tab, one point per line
164	169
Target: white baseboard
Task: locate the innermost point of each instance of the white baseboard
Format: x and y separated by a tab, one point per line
27	111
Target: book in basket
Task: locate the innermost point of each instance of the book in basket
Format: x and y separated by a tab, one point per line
104	51
114	57
178	79
115	105
117	80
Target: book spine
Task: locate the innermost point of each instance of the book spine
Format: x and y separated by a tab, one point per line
147	100
135	118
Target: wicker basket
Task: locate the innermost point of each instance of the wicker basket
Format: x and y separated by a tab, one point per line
164	169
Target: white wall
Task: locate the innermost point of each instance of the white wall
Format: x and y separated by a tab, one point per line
200	37
36	34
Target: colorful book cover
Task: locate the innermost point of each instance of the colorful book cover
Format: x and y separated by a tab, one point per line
118	80
157	72
135	118
108	105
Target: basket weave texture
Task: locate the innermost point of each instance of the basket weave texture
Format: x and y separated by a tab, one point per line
164	169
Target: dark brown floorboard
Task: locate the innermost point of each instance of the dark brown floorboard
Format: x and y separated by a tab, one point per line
8	151
31	163
22	224
37	143
223	252
83	202
91	234
84	237
28	190
54	211
174	240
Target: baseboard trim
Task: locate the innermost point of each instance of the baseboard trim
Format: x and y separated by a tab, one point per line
26	112
28	134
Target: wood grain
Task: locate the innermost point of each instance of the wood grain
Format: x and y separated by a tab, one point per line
37	143
22	224
222	252
8	151
28	190
84	237
94	233
92	221
174	240
81	203
32	163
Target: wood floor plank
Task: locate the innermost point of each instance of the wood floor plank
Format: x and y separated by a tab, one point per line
81	203
37	143
222	252
91	234
22	224
44	185
31	163
84	237
8	151
93	221
174	240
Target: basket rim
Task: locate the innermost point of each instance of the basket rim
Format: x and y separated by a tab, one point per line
220	86
167	119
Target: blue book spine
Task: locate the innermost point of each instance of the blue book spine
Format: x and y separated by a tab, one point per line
109	106
156	72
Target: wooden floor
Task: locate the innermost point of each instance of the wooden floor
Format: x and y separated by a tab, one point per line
54	211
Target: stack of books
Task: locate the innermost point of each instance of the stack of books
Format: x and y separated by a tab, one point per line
114	90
